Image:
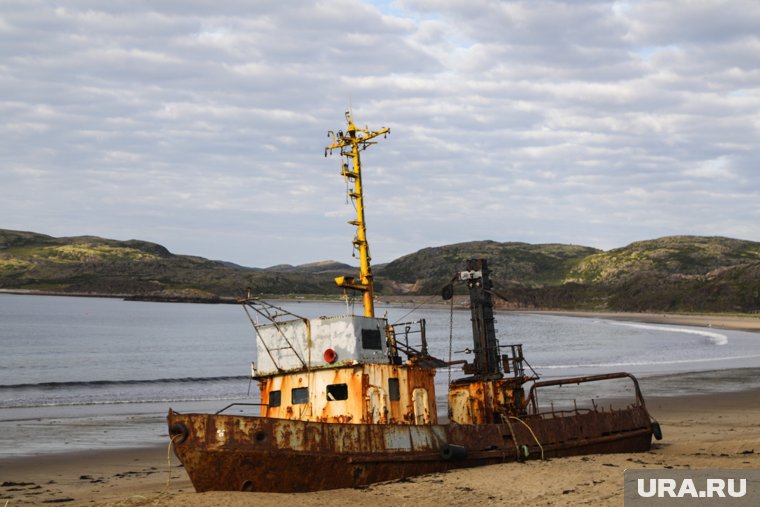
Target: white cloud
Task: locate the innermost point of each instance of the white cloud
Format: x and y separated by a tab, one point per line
716	168
594	123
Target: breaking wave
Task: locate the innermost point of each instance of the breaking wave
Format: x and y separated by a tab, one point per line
121	392
122	383
643	363
714	338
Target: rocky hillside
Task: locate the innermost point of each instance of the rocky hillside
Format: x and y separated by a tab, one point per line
671	255
87	264
429	269
677	273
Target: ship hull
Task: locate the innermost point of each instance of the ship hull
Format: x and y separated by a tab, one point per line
248	453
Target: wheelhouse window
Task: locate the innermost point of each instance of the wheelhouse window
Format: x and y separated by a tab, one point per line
275	398
299	395
371	339
394	393
337	392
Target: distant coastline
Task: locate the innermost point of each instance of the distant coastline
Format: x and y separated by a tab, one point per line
29	292
737	322
674	274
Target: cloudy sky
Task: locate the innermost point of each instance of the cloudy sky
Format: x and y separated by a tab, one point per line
201	125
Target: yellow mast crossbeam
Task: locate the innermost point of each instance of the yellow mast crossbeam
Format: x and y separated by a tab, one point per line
356	140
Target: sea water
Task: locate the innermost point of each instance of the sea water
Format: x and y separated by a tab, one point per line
88	373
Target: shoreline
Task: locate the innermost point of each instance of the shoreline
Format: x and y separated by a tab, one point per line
700	431
742	322
717	321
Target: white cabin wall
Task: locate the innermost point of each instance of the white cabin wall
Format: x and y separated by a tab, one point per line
301	344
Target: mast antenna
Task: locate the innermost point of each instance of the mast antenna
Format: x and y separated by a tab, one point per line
350	143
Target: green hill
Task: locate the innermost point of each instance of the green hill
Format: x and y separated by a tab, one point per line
429	269
93	265
331	267
676	273
671	255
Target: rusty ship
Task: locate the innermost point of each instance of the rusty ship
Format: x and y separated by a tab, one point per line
348	400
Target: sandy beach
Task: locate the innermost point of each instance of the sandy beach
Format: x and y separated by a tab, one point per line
702	431
706	431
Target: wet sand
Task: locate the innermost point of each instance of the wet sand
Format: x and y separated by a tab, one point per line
705	431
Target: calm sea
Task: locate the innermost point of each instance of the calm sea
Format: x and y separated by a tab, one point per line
89	373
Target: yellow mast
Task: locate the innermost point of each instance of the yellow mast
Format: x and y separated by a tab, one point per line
351	143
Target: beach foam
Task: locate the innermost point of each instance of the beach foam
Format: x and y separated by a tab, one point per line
714	338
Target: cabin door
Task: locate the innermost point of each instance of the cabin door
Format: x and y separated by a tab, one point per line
378	406
421	411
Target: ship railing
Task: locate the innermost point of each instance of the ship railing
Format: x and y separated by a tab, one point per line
400	334
513	363
532	400
399	337
274	315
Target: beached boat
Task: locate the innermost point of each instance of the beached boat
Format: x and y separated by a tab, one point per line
350	400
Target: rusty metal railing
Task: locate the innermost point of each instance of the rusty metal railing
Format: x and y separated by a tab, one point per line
532	399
